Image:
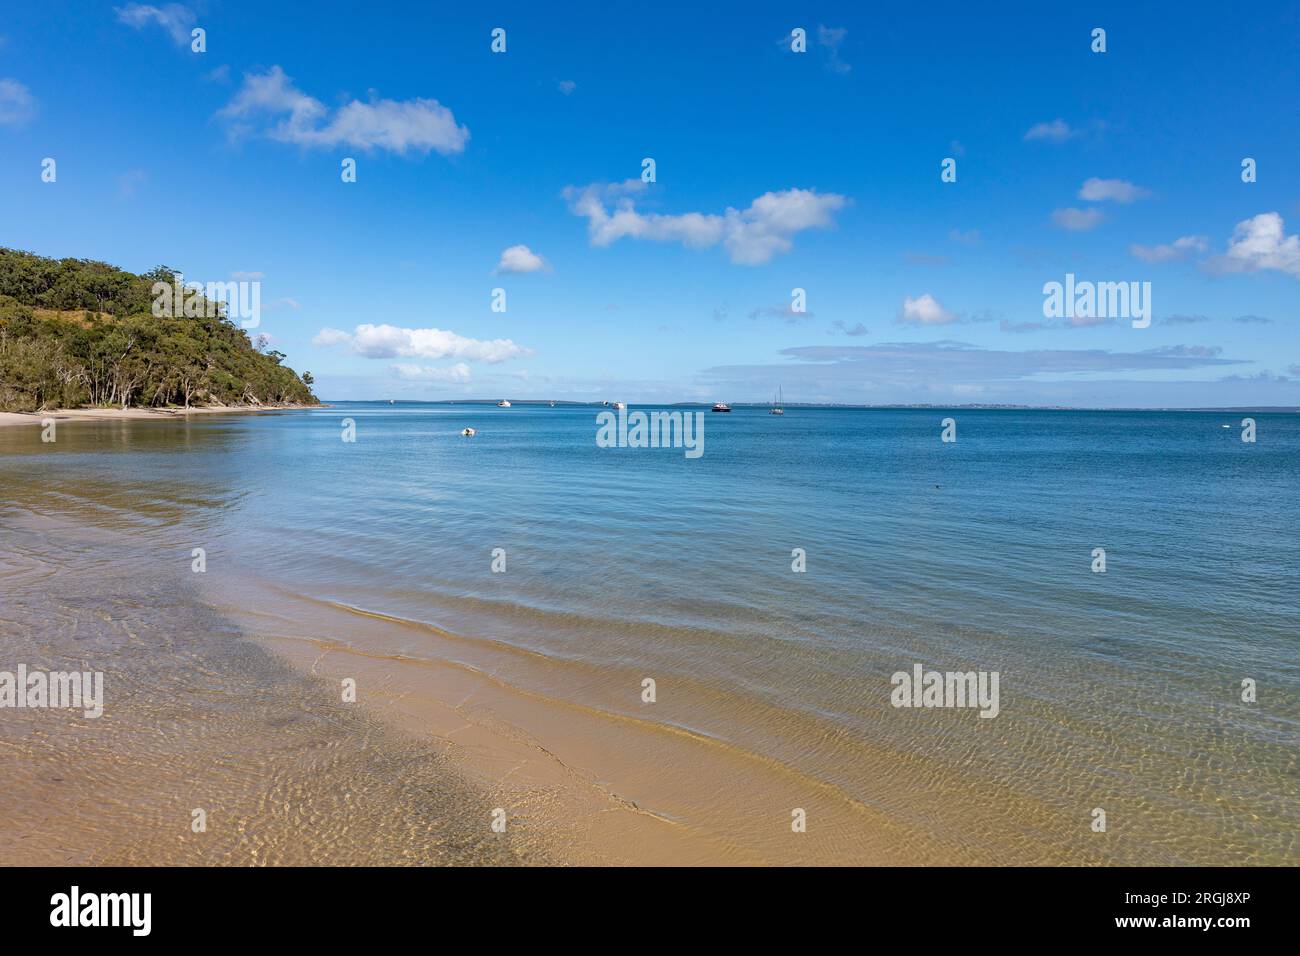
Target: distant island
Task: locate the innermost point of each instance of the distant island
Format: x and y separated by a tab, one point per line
77	332
561	403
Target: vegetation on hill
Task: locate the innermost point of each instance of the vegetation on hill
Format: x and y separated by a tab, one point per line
77	332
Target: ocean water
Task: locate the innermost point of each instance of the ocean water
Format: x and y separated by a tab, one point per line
1119	691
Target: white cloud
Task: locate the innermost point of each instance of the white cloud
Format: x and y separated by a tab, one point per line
1180	248
751	236
520	259
424	373
1119	190
177	20
1260	243
566	86
245	276
391	341
419	124
1077	220
326	338
1057	131
925	310
17	105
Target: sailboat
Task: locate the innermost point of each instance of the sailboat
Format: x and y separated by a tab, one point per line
776	408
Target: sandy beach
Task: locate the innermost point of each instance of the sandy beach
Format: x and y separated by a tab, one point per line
131	414
370	562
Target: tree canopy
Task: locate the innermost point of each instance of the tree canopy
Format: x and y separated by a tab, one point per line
76	332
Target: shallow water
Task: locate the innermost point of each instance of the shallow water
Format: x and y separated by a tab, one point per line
1118	690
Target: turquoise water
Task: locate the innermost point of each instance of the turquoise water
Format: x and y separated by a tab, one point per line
1119	689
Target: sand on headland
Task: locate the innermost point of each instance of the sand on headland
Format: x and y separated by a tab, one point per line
120	414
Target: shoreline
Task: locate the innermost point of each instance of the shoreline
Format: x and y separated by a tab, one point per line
137	414
507	702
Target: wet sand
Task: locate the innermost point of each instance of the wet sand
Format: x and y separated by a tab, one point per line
198	717
131	414
224	693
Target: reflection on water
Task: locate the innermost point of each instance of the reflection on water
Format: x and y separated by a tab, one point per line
197	717
1119	690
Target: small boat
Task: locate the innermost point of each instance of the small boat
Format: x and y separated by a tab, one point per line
552	404
504	403
468	432
620	405
721	407
391	402
776	408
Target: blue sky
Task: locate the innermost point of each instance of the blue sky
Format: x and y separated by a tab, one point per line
775	170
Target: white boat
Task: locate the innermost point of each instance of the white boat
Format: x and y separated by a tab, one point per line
721	407
504	403
468	432
620	405
776	408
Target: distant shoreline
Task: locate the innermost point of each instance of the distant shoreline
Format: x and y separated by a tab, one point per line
135	414
827	405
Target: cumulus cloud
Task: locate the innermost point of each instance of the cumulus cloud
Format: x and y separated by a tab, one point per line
925	310
176	20
751	236
1180	248
1077	220
391	341
17	105
1116	190
1057	131
327	338
1259	244
270	103
424	373
520	259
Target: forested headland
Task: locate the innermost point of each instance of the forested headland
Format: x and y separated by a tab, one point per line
77	332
